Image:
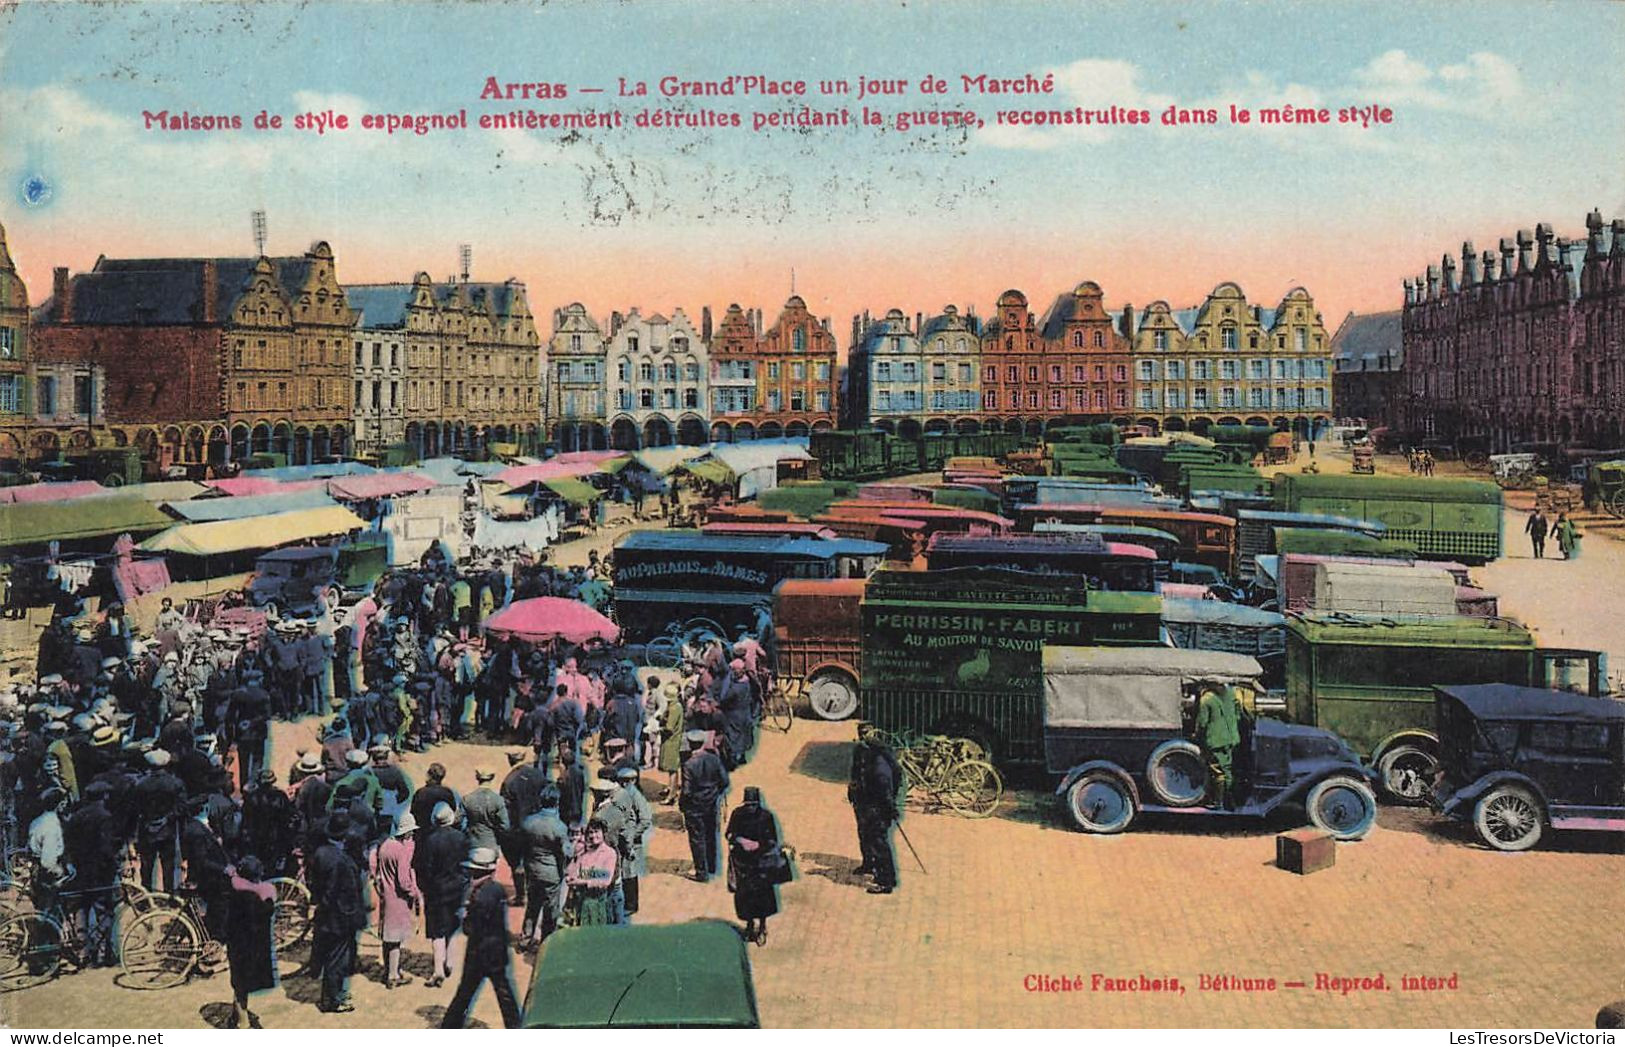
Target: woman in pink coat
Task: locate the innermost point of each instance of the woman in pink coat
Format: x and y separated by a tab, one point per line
398	897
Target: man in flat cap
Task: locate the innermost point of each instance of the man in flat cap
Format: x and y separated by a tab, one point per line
705	782
159	797
488	957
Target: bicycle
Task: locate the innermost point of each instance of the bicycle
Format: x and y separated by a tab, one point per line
778	704
950	773
34	944
666	650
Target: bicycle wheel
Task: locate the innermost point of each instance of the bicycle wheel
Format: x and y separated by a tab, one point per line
30	951
160	950
290	921
973	788
778	714
663	652
703	627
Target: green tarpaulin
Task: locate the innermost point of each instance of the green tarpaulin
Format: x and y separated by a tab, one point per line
576	492
35	523
685	975
711	471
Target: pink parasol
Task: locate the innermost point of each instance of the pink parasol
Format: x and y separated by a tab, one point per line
552	617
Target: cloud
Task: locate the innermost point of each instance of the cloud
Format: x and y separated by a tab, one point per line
1484	85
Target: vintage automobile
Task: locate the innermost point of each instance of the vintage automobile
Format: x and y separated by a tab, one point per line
1514	760
298	580
667	976
1370	679
1118	730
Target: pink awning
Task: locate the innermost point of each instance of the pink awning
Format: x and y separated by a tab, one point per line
54	492
250	485
552	617
519	475
378	485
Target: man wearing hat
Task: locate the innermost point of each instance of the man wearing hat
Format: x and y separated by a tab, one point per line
358	793
248	725
335	884
395	786
544	847
283	659
572	785
521	791
94	846
486	813
637	823
270	824
872	792
486	925
441	876
159	797
705	782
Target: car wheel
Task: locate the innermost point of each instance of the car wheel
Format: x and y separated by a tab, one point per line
1342	806
1509	818
832	694
1100	803
1177	773
1407	772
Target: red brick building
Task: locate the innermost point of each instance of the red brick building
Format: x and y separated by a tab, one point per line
210	359
1071	367
777	382
1520	347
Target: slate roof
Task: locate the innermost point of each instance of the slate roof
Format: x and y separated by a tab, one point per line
380	305
166	290
1367	338
943	322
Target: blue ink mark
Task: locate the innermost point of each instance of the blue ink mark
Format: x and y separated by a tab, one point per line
36	191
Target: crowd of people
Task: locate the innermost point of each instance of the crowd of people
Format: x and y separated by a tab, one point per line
148	757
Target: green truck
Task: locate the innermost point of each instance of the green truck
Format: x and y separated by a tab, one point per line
1445	519
959	651
1369	679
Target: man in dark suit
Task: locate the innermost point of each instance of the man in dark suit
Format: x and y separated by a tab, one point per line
872	792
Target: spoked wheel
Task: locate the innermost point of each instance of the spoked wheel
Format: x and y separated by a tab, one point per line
1100	803
1477	461
30	951
973	789
777	713
1406	771
1508	818
160	950
1616	503
663	652
290	920
1342	806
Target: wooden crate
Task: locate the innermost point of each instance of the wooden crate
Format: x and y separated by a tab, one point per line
1304	851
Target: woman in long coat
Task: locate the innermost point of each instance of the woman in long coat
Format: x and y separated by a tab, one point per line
250	946
1568	536
398	896
671	741
757	862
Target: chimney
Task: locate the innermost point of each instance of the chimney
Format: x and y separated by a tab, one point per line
705	323
857	332
558	319
1508	249
1433	283
1594	234
1410	292
1128	321
62	291
1489	266
615	322
757	313
919	323
1543	237
1469	265
1525	242
211	291
1258	314
1447	265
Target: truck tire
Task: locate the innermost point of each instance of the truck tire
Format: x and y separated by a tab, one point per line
1406	771
1177	773
1100	803
832	694
1342	806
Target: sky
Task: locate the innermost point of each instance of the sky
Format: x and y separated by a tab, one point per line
1503	115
